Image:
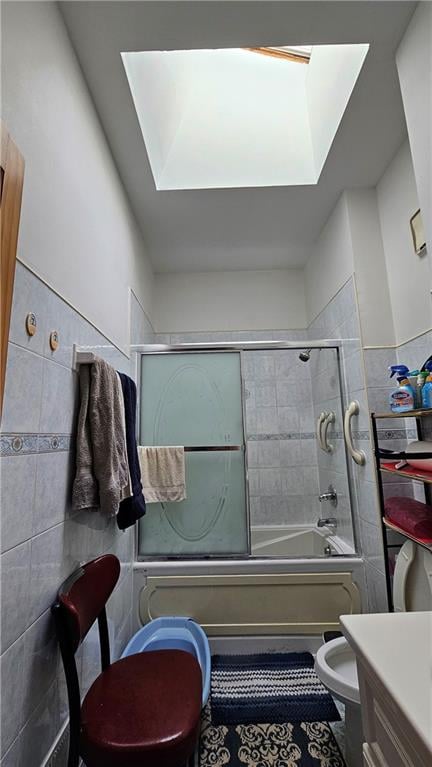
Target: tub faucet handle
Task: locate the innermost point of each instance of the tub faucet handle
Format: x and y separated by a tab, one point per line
330	496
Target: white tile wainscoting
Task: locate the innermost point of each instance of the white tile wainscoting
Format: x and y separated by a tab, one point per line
42	539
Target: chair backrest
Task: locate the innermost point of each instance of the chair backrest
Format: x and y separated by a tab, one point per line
81	601
85	593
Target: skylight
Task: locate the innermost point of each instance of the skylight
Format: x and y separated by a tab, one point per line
231	118
300	54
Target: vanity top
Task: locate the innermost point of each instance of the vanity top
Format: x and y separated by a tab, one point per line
397	648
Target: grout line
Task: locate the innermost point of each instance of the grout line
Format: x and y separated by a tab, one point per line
43	280
40	354
142	309
332	299
48	609
63	364
20	636
42	532
401	343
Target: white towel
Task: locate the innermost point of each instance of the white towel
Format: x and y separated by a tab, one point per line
162	473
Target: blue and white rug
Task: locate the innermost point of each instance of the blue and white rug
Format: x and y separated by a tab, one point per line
274	687
302	744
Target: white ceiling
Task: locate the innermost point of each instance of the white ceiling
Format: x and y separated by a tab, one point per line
253	228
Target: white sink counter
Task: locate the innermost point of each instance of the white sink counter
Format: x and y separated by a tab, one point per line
395	652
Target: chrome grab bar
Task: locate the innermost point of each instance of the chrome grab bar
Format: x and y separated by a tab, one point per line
358	456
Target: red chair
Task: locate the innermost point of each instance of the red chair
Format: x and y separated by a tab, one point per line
141	711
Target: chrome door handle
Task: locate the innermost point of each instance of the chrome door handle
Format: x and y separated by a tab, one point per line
358	456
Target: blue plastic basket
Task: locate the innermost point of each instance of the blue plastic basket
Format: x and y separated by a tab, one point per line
174	633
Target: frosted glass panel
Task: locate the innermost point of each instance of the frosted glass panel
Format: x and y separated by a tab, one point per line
191	399
213	518
194	399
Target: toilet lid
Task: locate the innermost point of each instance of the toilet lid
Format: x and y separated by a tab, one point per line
412	583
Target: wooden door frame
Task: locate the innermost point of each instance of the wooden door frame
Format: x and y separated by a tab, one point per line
11	186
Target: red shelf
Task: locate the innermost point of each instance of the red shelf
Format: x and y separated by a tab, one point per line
407	471
400	530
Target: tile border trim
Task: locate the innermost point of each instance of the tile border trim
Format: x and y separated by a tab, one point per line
30	444
359	434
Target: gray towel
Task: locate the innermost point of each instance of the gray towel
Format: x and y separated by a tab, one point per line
102	470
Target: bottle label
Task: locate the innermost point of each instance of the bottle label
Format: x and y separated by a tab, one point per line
401	400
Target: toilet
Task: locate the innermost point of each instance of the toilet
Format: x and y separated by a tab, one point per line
335	662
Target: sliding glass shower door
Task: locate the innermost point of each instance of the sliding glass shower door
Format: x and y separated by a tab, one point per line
194	399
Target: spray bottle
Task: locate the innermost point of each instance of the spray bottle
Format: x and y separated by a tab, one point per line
427	387
421	380
402	399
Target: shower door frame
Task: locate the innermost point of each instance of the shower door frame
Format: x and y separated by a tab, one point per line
240	347
148	349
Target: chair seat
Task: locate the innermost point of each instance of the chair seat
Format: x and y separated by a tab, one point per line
143	711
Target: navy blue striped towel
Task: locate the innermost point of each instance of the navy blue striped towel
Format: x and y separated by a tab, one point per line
273	687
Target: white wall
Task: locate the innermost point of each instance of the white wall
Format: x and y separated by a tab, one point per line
243	300
368	235
331	262
76	230
331	77
408	274
373	295
160	86
414	64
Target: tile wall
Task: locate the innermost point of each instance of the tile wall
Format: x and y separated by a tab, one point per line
414	354
42	539
340	319
393	434
365	380
281	448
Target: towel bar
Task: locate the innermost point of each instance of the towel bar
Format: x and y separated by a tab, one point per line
205	448
85	355
212	448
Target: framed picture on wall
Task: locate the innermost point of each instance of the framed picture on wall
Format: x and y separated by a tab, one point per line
417	232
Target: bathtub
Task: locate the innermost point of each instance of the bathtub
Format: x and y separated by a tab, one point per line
296	541
289	586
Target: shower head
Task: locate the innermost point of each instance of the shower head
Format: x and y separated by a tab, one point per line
305	356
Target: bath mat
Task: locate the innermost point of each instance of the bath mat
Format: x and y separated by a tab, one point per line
302	744
274	687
